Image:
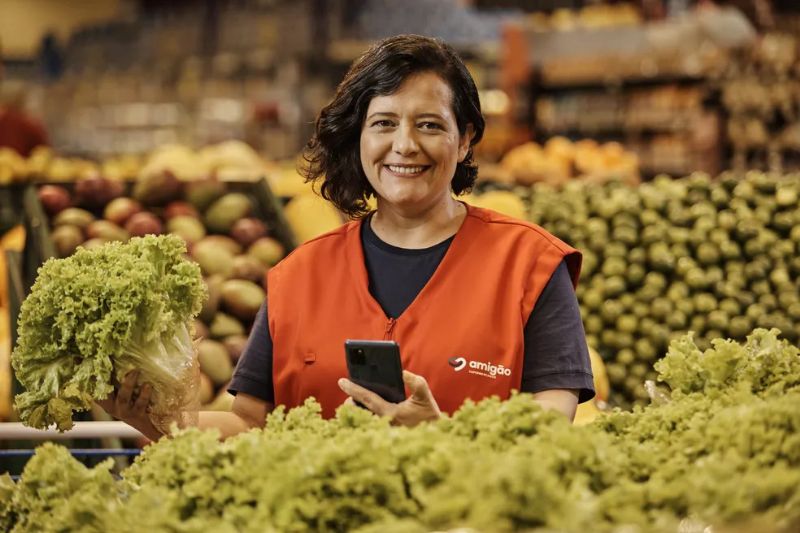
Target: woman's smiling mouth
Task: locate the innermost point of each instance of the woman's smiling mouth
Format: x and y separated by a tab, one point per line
407	170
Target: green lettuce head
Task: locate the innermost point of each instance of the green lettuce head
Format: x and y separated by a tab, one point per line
96	315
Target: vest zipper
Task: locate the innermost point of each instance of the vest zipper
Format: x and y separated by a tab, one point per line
389	328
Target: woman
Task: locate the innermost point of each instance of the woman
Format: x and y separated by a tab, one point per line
479	303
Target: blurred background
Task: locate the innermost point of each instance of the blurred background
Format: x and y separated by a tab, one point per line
682	85
591	106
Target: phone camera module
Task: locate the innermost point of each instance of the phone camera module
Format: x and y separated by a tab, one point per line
359	358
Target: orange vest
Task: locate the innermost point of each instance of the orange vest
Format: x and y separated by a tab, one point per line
463	332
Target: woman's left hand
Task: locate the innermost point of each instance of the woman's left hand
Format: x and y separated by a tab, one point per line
421	406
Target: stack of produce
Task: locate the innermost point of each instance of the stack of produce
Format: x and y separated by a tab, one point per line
590	16
42	162
561	160
761	94
716	257
224	234
719	450
230	160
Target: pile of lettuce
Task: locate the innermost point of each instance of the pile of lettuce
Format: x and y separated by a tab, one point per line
94	316
721	449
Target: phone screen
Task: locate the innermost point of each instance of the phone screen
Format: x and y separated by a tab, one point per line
376	365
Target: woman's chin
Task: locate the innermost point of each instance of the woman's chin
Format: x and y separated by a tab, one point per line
403	199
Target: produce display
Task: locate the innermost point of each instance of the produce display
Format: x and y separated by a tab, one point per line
590	16
230	160
225	233
714	256
560	160
718	448
93	317
761	94
668	128
12	241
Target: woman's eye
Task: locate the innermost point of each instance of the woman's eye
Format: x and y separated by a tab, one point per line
382	124
430	126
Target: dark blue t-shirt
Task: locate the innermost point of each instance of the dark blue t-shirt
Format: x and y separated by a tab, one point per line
556	356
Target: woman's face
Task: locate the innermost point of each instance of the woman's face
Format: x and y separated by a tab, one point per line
410	144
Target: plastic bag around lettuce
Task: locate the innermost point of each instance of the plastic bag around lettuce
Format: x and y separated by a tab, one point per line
94	316
175	380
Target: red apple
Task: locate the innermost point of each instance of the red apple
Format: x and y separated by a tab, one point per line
54	199
95	193
119	210
180	209
142	224
248	230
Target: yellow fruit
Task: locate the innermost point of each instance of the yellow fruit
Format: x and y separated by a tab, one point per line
601	385
287	183
14	239
504	202
310	215
560	146
586	412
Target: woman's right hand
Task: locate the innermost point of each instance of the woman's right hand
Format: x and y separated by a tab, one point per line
131	407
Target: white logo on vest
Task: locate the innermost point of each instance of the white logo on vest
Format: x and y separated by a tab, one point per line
458	363
479	368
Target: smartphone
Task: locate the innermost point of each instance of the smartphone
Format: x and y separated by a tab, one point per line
376	365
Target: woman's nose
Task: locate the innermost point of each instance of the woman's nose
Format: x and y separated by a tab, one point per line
404	142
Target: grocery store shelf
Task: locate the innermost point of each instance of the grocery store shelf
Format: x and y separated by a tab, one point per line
555	84
612	130
81	430
78	452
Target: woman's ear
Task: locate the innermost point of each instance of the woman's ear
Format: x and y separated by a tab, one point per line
464	142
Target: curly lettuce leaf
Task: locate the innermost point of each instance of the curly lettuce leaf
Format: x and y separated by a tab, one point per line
97	314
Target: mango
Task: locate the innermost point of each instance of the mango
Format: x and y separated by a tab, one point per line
74	216
222	241
242	298
213	260
211	305
205	390
267	250
223	213
202	193
223	325
223	402
187	228
215	361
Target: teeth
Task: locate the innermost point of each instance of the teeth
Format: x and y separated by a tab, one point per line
406	170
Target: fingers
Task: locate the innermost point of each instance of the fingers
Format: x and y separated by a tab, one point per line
126	388
369	399
107	404
417	385
143	400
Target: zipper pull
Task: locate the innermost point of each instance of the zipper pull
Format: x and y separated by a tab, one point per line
389	328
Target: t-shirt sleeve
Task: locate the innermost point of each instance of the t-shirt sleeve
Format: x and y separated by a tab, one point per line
556	355
253	374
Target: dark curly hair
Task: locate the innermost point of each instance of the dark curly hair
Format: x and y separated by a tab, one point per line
333	156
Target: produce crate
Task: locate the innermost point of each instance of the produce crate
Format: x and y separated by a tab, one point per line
223	325
39	245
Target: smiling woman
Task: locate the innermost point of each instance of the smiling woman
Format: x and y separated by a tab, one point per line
446	281
410	148
480	304
373	98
